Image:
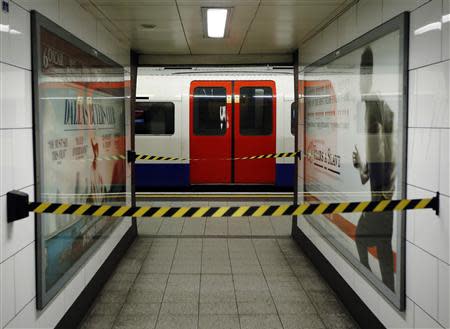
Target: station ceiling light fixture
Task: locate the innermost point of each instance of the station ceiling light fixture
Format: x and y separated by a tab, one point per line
216	22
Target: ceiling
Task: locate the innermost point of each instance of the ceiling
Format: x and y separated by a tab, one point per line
257	26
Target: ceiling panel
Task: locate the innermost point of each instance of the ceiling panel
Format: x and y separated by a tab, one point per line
257	26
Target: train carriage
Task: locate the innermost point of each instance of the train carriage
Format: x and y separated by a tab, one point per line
209	119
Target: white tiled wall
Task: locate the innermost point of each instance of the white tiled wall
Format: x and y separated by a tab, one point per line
17	247
428	235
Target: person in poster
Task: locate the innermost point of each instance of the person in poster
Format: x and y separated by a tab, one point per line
375	229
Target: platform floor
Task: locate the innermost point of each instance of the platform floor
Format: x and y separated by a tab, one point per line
216	283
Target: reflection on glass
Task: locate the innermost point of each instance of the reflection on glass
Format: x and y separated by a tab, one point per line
155	118
353	124
81	122
255	111
210	111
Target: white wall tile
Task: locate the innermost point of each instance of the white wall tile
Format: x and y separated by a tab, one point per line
444	293
17	159
392	8
7	293
429	96
347	27
48	8
423	158
423	321
425	34
444	163
25	278
446	30
431	232
27	318
16	97
369	15
73	288
422	279
15	44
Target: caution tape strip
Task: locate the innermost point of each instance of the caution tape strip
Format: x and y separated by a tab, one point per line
148	157
243	211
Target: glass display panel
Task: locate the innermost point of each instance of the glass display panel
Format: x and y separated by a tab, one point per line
210	111
355	108
255	111
79	121
154	118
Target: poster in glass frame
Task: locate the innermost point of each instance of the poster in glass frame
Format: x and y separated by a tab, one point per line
79	119
355	113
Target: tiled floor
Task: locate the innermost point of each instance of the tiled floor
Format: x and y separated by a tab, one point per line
216	283
215	227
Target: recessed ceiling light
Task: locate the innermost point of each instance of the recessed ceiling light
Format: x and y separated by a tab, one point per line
148	26
217	20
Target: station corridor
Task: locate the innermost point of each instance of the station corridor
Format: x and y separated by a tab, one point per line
221	283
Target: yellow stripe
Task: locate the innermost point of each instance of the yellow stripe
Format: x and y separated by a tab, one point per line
361	206
320	209
180	212
161	212
82	209
121	211
61	209
240	211
382	205
340	208
301	209
402	205
200	212
260	211
42	207
422	204
141	211
220	212
100	211
280	211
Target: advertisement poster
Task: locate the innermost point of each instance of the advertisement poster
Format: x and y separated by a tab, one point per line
80	124
354	139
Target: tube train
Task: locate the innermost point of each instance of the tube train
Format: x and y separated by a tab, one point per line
208	118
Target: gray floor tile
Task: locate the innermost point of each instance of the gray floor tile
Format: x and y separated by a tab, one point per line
168	321
261	306
238	226
171	226
302	321
295	307
182	288
98	322
156	267
129	266
184	266
218	322
261	226
190	308
135	321
260	322
107	297
194	226
217	288
138	296
218	308
339	321
144	309
216	226
104	309
149	226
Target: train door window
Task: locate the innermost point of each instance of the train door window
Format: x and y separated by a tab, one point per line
293	118
256	111
210	109
155	118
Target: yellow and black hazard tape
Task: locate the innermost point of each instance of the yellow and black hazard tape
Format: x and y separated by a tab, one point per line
18	205
148	157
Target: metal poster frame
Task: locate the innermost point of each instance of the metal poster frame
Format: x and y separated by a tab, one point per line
398	24
38	21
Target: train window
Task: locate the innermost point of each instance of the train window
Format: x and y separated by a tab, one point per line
157	118
256	111
293	118
210	104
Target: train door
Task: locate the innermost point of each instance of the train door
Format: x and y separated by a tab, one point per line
254	131
210	132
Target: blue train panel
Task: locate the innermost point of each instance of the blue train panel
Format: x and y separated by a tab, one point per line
285	174
162	175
